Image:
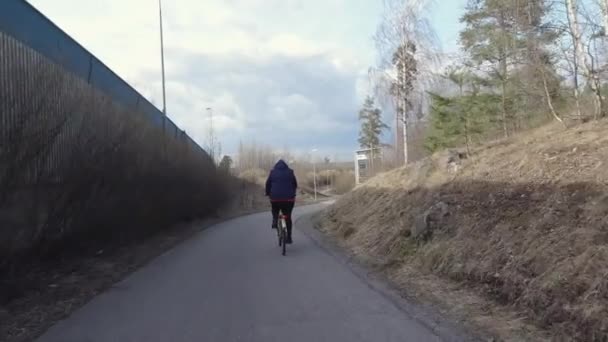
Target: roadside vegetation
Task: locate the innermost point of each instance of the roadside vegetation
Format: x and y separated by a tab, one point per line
504	223
89	190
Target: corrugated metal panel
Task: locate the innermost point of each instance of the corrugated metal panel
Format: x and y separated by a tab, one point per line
21	21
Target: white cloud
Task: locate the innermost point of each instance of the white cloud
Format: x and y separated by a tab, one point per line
291	45
265	66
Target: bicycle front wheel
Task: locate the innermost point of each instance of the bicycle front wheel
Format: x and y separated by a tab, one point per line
284	248
284	234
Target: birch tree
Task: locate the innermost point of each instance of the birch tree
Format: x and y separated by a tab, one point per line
583	60
408	56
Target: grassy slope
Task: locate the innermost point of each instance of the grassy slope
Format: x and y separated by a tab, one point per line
526	223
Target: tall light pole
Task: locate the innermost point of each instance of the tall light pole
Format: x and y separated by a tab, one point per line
211	134
162	55
314	171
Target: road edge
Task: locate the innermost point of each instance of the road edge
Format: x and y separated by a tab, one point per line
443	327
177	235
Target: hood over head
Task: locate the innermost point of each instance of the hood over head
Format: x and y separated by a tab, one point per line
281	165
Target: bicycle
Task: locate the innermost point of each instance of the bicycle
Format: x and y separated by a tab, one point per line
282	232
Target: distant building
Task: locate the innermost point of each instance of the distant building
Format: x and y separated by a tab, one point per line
367	163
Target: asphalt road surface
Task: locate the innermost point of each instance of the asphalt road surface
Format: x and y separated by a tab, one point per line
230	283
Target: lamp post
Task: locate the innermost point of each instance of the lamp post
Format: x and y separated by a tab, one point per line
211	134
162	55
314	171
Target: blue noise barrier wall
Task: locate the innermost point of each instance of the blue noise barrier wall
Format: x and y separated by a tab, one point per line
84	158
25	24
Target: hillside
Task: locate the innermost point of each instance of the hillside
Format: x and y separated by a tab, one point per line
522	221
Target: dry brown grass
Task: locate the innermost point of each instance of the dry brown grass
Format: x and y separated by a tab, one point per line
344	182
527	225
255	176
338	181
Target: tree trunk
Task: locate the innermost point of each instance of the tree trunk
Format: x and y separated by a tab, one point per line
397	124
598	101
596	86
405	143
604	4
465	112
503	79
371	162
581	60
467	138
543	74
548	96
405	43
577	95
504	109
572	11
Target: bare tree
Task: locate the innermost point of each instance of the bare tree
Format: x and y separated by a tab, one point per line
604	6
539	54
407	46
584	57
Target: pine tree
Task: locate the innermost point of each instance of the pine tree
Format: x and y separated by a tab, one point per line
507	41
404	62
491	41
371	124
225	164
459	120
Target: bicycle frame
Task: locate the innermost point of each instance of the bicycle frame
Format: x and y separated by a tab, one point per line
282	232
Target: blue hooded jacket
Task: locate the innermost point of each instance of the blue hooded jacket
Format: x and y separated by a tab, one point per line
281	184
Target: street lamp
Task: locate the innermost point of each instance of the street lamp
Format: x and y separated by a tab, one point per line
162	54
211	134
314	171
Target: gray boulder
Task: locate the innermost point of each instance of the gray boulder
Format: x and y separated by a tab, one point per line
427	222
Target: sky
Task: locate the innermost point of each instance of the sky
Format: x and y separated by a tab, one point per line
288	73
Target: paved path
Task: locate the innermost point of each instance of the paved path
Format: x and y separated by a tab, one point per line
230	283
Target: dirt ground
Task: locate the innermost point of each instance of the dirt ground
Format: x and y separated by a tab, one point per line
514	237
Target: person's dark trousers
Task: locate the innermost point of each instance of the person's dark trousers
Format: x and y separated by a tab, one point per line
287	209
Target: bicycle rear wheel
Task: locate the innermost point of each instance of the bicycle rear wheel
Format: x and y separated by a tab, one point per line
284	246
283	228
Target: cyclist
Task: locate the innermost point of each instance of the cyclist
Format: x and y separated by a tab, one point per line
281	187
